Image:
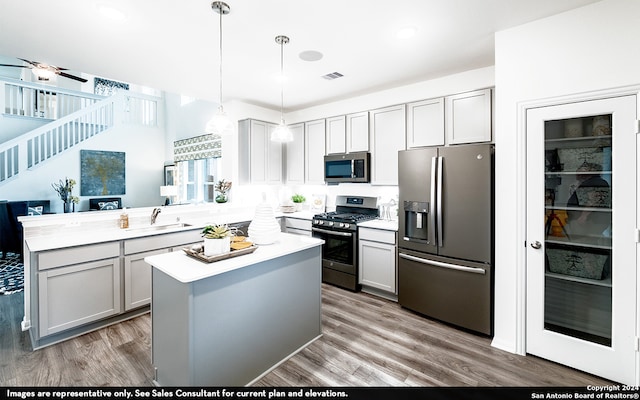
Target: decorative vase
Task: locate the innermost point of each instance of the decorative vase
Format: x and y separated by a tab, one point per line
264	228
213	247
67	206
221	198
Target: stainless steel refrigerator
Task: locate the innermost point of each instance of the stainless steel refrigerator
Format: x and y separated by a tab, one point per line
445	251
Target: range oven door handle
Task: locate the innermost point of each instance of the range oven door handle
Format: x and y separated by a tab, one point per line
442	264
334	233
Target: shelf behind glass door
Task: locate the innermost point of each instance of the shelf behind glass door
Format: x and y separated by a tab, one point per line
578	215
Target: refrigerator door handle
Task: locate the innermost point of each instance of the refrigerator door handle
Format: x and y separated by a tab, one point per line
439	202
434	263
431	230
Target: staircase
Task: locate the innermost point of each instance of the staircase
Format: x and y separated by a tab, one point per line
77	119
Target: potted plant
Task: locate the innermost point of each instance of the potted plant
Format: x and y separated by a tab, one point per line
298	199
64	189
217	239
222	187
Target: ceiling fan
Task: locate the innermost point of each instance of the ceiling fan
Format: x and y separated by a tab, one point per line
45	71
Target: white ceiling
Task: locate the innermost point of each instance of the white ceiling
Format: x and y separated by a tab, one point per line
173	44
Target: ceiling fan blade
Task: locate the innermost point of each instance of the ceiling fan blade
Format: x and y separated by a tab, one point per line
34	63
17	66
77	78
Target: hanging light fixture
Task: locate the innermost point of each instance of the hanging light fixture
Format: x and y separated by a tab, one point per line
220	124
282	133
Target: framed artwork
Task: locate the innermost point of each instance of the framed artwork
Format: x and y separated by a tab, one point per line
102	173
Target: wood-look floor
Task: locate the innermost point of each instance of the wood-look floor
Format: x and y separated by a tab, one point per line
367	341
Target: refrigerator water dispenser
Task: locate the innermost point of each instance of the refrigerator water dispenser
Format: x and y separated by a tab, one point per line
416	222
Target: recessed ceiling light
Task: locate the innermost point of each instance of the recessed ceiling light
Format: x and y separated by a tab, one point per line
310	55
406	32
112	13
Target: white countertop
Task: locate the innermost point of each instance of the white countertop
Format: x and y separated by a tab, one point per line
187	269
307	215
85	231
43	243
380	224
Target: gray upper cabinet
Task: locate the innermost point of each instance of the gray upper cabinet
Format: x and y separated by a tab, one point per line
358	132
314	142
260	159
387	138
469	117
425	123
295	155
336	135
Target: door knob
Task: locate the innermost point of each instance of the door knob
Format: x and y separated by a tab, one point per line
536	245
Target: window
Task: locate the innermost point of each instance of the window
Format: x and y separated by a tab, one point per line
198	167
196	180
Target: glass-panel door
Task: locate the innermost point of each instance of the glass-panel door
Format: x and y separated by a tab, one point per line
581	214
578	186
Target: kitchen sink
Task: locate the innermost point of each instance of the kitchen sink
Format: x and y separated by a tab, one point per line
158	227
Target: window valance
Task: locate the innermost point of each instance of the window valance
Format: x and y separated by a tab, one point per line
197	148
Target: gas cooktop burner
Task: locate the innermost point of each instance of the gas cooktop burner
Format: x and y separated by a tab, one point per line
344	217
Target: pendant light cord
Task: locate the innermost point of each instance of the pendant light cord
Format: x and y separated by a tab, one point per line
282	40
282	81
221	12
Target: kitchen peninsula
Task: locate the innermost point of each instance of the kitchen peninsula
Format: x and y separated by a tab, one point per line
82	272
227	323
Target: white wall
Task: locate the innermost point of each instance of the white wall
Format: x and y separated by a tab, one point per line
144	156
591	48
447	85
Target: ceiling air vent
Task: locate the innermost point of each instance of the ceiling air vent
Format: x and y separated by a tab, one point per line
332	76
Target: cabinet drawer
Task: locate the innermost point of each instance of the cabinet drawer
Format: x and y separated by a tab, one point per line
163	241
75	255
296	223
377	235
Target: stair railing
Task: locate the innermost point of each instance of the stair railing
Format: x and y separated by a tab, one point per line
34	100
39	145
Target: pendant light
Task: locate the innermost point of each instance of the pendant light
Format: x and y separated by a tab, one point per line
220	124
282	133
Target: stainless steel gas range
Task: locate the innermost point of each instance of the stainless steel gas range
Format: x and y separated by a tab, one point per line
339	230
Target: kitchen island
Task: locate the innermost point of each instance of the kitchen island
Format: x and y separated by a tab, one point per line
229	322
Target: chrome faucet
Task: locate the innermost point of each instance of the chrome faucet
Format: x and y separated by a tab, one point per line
154	215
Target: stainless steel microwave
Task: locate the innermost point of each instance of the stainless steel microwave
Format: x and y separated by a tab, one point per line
351	167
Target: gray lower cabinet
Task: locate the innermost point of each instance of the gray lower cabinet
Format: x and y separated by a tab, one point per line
377	263
84	290
137	279
137	273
